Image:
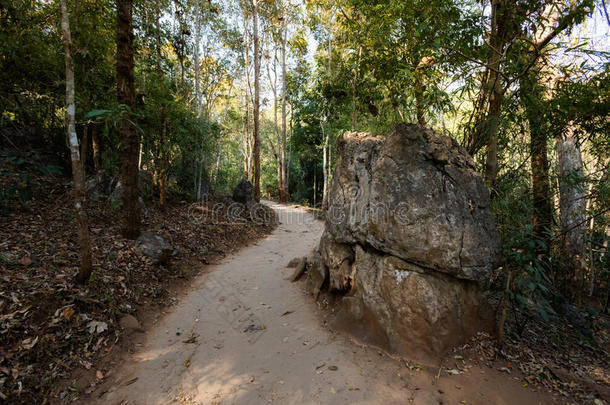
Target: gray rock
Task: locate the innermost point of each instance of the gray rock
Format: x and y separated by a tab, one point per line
415	195
243	192
317	275
155	247
299	269
101	185
409	238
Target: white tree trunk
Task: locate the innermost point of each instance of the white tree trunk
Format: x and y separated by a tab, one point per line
572	203
77	167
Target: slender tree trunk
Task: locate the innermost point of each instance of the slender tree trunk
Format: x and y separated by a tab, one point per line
197	67
198	105
97	163
572	203
127	132
419	99
290	149
484	130
162	117
276	150
315	185
256	146
77	167
325	170
354	84
284	192
531	93
164	162
83	149
246	140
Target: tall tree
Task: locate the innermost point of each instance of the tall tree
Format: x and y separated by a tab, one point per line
572	201
78	172
284	188
246	141
126	97
531	94
162	115
256	149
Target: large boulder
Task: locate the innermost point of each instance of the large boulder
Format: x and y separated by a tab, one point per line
409	237
243	192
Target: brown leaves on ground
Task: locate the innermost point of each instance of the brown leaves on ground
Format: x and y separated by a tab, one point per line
553	357
49	325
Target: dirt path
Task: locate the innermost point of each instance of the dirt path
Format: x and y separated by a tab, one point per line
246	335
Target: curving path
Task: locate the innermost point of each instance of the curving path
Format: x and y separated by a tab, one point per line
246	335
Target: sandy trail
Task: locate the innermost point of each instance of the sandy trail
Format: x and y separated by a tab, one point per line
246	335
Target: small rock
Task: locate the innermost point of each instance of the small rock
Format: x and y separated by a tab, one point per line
130	323
299	270
155	247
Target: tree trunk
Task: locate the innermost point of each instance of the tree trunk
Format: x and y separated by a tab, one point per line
531	93
256	146
354	84
572	204
246	140
162	117
77	167
277	152
97	163
83	150
127	132
419	99
325	170
284	191
197	40
484	129
315	186
164	162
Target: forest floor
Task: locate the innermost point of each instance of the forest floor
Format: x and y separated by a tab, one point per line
242	333
52	330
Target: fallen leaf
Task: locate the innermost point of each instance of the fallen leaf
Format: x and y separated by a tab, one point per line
129	382
192	339
97	327
333	368
68	312
29	343
187	363
332	390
